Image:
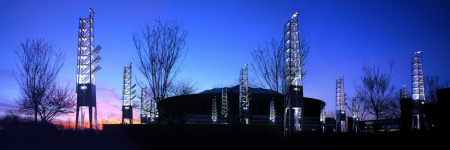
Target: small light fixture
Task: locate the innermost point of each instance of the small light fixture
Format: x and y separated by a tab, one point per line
91	10
295	15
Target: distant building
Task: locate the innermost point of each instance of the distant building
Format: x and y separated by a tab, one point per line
434	112
330	125
443	101
385	126
197	108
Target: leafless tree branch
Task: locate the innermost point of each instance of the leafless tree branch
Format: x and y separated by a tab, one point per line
160	50
36	72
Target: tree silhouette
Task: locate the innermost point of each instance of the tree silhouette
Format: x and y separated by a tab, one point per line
431	86
58	101
376	91
362	112
36	72
269	63
160	49
183	87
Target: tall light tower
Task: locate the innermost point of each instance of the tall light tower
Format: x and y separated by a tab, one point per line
293	93
355	117
341	122
403	92
127	96
153	111
87	68
244	100
272	112
144	109
224	104
322	117
214	110
418	92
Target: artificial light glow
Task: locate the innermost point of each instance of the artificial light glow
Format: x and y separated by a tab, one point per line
295	15
83	87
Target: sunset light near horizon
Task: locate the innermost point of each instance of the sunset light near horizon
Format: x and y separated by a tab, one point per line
342	36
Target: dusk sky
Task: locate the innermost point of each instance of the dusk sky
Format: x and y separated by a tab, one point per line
342	36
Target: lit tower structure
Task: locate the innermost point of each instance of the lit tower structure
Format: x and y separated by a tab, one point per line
214	110
322	117
224	103
244	100
127	96
87	68
355	115
272	111
293	92
340	106
144	109
403	92
418	92
153	111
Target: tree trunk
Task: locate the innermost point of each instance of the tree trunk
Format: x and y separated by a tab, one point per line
158	107
35	113
377	125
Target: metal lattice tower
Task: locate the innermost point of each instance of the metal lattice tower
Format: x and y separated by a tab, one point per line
403	92
214	110
87	69
272	112
293	92
293	52
153	111
144	109
340	106
355	115
244	96
418	91
127	96
322	117
224	103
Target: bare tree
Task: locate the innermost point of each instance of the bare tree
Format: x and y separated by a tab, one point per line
268	64
362	112
160	48
106	120
376	91
184	87
36	72
394	111
350	108
431	86
58	101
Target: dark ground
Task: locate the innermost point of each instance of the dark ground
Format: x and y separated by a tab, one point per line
231	137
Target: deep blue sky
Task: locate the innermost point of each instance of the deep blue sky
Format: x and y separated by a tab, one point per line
222	34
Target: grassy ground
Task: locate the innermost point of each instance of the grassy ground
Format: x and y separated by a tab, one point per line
228	137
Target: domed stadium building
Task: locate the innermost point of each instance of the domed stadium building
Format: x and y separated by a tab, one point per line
265	107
